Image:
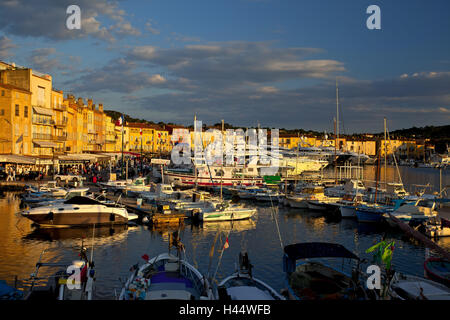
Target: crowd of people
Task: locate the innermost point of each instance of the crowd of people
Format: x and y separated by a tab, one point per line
93	172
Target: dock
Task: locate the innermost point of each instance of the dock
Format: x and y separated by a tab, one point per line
420	237
149	211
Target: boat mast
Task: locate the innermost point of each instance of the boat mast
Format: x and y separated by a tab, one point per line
335	156
221	165
195	159
337	112
385	155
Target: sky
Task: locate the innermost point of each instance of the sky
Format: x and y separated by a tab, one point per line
272	62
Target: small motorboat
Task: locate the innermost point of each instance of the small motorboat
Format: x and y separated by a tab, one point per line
78	211
419	212
408	287
224	211
241	285
313	280
166	277
438	269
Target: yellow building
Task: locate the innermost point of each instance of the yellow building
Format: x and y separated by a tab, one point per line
99	128
15	120
161	140
122	141
135	137
60	121
41	112
110	135
367	147
403	148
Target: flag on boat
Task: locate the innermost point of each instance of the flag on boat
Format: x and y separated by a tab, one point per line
226	245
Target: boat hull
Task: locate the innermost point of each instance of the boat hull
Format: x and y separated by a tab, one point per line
348	212
226	215
438	270
297	203
53	218
368	216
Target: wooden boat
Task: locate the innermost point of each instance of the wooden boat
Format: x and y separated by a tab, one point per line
166	277
408	287
313	280
241	285
61	285
438	269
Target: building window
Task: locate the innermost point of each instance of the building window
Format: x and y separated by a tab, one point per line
3	93
17	110
25	111
2	112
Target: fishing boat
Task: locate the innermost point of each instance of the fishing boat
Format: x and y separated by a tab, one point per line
78	211
438	269
313	280
241	285
61	284
166	277
408	287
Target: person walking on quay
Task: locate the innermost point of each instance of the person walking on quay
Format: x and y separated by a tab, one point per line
9	177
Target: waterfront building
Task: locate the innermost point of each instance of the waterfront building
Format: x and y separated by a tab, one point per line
110	135
15	120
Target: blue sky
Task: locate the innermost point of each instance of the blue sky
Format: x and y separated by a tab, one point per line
244	61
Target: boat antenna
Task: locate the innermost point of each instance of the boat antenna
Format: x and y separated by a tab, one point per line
221	255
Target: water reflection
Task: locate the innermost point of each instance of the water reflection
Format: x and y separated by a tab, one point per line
263	237
112	233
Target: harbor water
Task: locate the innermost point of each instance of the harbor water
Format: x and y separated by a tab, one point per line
116	249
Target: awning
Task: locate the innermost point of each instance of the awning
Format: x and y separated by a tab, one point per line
46	144
10	158
44	111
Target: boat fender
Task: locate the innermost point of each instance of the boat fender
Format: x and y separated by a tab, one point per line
50	216
112	217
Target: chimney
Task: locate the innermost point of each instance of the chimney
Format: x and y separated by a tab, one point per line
90	104
100	107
